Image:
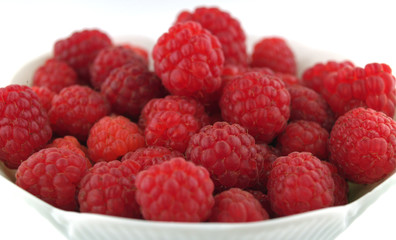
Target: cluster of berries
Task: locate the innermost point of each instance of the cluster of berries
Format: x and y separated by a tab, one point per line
212	133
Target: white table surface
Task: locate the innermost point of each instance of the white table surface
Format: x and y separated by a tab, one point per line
360	30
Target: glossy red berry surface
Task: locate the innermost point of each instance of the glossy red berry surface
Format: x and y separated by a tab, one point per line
175	190
24	124
189	60
362	145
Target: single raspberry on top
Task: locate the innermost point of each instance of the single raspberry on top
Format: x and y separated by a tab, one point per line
151	155
109	188
228	152
304	136
373	86
129	87
80	49
183	105
225	27
112	137
362	145
45	96
313	76
175	190
111	58
237	205
258	102
24	124
274	53
189	60
55	75
306	104
75	109
52	174
299	183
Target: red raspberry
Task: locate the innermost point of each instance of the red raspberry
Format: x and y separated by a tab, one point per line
151	155
52	174
306	104
129	87
225	27
313	76
228	152
45	96
111	58
80	49
183	105
171	129
175	190
259	103
304	136
362	145
299	183
24	124
75	109
264	201
112	137
54	75
341	187
274	53
71	143
109	188
189	60
373	87
237	205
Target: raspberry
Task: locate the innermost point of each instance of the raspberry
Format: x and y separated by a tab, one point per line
75	109
304	136
109	188
258	102
80	49
112	137
171	129
183	105
313	76
373	87
129	87
24	124
299	183
341	187
189	60
306	104
55	75
175	190
45	96
71	143
151	155
237	205
52	174
225	27
274	53
111	58
228	152
362	145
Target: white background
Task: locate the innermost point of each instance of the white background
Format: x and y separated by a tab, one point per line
362	31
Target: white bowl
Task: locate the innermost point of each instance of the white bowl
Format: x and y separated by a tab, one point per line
325	223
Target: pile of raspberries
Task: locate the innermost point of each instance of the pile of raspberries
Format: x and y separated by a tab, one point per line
200	130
